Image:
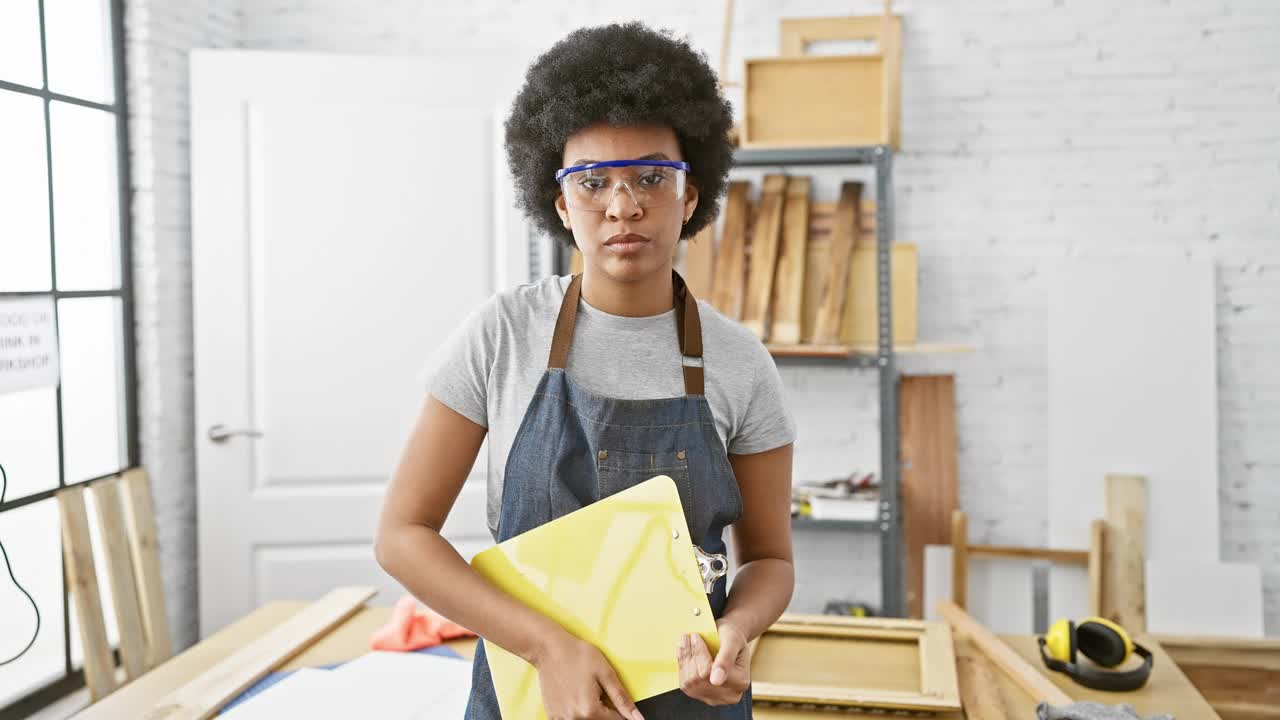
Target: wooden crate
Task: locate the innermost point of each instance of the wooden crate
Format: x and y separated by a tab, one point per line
803	100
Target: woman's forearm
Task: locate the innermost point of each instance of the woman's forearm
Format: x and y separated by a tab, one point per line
432	570
760	593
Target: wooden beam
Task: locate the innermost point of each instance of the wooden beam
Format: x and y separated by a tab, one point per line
82	582
201	697
959	558
1027	677
1124	587
764	255
140	519
836	276
1058	555
730	256
1097	543
927	427
788	289
124	587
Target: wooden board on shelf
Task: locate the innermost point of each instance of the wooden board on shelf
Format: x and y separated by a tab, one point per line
731	255
859	323
907	665
927	440
764	255
788	291
699	262
835	278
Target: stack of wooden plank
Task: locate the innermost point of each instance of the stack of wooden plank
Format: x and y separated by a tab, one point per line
798	272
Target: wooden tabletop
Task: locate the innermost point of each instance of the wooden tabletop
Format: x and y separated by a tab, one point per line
1167	691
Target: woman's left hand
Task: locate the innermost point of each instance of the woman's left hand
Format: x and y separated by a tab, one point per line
718	682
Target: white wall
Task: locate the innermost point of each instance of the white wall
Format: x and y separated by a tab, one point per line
1032	129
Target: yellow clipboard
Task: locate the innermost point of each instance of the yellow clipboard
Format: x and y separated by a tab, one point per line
621	574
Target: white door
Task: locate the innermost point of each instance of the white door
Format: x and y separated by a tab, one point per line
342	224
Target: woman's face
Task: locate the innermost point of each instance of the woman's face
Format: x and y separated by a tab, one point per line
599	234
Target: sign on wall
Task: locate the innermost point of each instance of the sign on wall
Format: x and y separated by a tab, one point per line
28	344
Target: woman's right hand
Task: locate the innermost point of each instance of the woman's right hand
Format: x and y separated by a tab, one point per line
575	678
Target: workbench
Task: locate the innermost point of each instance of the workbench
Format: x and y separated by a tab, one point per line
1169	690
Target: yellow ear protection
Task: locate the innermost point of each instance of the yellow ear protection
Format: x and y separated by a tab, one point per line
1103	642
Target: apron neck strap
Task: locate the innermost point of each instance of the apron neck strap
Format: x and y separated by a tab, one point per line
688	331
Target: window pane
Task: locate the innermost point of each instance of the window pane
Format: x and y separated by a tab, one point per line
24	193
32	540
20	43
85	206
78	37
29	443
93	402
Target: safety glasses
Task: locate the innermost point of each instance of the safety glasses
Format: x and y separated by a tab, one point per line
649	183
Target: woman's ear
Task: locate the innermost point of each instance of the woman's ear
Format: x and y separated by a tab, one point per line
690	200
562	209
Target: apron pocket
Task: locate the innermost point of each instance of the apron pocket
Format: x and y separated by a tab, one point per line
617	470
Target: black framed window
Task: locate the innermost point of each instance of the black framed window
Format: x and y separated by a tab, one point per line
64	247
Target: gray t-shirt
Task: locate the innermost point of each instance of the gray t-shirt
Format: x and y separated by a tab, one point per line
490	366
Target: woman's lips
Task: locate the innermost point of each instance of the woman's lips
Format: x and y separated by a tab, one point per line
626	243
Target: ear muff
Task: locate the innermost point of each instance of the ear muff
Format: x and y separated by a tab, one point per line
1103	642
1060	641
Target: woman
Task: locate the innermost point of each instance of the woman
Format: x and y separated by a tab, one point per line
618	146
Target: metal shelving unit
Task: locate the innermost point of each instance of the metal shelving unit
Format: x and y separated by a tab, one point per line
889	526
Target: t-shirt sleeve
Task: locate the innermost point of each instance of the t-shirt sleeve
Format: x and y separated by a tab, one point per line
767	422
457	373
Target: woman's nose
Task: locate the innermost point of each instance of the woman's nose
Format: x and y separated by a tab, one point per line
623	204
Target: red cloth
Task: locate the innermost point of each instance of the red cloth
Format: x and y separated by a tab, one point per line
412	627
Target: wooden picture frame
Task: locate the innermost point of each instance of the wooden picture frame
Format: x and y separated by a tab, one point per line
814	659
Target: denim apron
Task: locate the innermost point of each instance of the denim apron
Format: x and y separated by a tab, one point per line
574	448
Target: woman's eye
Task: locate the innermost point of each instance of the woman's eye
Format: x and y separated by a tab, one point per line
591	183
652	179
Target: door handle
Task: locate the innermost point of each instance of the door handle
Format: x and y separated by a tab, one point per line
222	433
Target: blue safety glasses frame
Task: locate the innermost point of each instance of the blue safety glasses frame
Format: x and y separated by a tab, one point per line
677	164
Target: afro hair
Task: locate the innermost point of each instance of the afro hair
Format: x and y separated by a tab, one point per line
625	75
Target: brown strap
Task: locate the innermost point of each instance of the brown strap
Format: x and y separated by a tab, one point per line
688	331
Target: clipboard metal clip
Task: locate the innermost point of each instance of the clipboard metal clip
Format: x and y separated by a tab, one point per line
711	566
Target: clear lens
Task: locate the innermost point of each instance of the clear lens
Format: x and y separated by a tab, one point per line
649	186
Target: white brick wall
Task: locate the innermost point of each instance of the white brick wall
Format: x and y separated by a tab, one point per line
158	35
1032	129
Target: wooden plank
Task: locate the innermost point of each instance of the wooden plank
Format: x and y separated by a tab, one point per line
201	697
1097	544
139	511
1124	583
764	255
788	291
731	255
699	262
959	558
124	588
835	279
860	324
938	664
979	691
927	426
82	582
1037	686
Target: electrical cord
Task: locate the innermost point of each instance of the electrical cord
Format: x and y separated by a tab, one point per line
4	485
